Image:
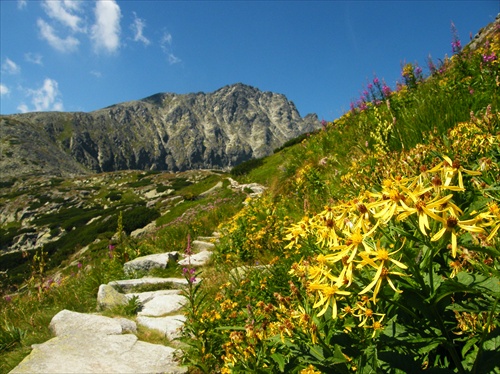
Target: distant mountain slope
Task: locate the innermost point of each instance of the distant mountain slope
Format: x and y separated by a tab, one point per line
165	131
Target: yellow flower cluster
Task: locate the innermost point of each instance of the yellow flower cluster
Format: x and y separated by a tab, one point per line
468	139
358	253
381	131
267	321
254	229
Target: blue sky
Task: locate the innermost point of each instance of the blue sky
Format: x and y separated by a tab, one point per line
85	55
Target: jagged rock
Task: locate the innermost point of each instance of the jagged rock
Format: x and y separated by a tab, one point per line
109	297
127	285
165	131
197	259
170	325
145	263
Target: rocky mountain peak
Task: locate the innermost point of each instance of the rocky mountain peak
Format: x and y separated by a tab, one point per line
165	131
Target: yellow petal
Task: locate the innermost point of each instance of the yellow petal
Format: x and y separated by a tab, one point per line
438	235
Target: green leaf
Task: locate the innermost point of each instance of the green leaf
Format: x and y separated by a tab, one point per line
469	344
489	360
280	360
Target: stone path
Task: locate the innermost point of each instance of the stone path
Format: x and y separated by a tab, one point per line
92	343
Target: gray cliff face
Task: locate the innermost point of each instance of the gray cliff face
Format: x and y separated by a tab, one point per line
162	132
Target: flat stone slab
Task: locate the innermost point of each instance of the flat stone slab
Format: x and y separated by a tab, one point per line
200	245
127	285
161	305
145	297
67	322
169	326
88	343
88	353
197	259
145	263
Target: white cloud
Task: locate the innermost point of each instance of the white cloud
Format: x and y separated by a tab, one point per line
173	59
23	108
45	98
34	58
4	90
48	33
96	73
166	43
137	27
106	30
166	40
63	11
21	4
10	67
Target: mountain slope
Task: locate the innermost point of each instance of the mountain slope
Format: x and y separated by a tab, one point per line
162	132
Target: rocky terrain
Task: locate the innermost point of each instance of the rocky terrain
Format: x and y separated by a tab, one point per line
165	131
63	215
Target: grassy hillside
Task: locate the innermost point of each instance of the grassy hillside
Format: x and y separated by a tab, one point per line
374	249
379	235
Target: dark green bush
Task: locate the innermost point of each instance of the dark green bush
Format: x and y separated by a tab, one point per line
247	166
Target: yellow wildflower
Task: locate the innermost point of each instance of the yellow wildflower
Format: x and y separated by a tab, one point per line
380	260
450	224
326	296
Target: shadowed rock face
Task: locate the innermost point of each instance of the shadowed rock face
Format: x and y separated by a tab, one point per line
162	132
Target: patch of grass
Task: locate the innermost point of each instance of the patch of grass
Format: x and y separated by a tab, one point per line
180	183
152	336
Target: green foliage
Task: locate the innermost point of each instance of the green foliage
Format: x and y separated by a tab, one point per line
297	140
114	196
180	183
246	166
10	337
130	309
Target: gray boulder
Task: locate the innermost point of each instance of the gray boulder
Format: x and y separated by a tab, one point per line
108	297
87	343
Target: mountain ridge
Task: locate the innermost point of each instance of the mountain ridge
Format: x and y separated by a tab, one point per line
164	131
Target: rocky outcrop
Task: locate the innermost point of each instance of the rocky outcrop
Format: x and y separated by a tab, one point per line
165	131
